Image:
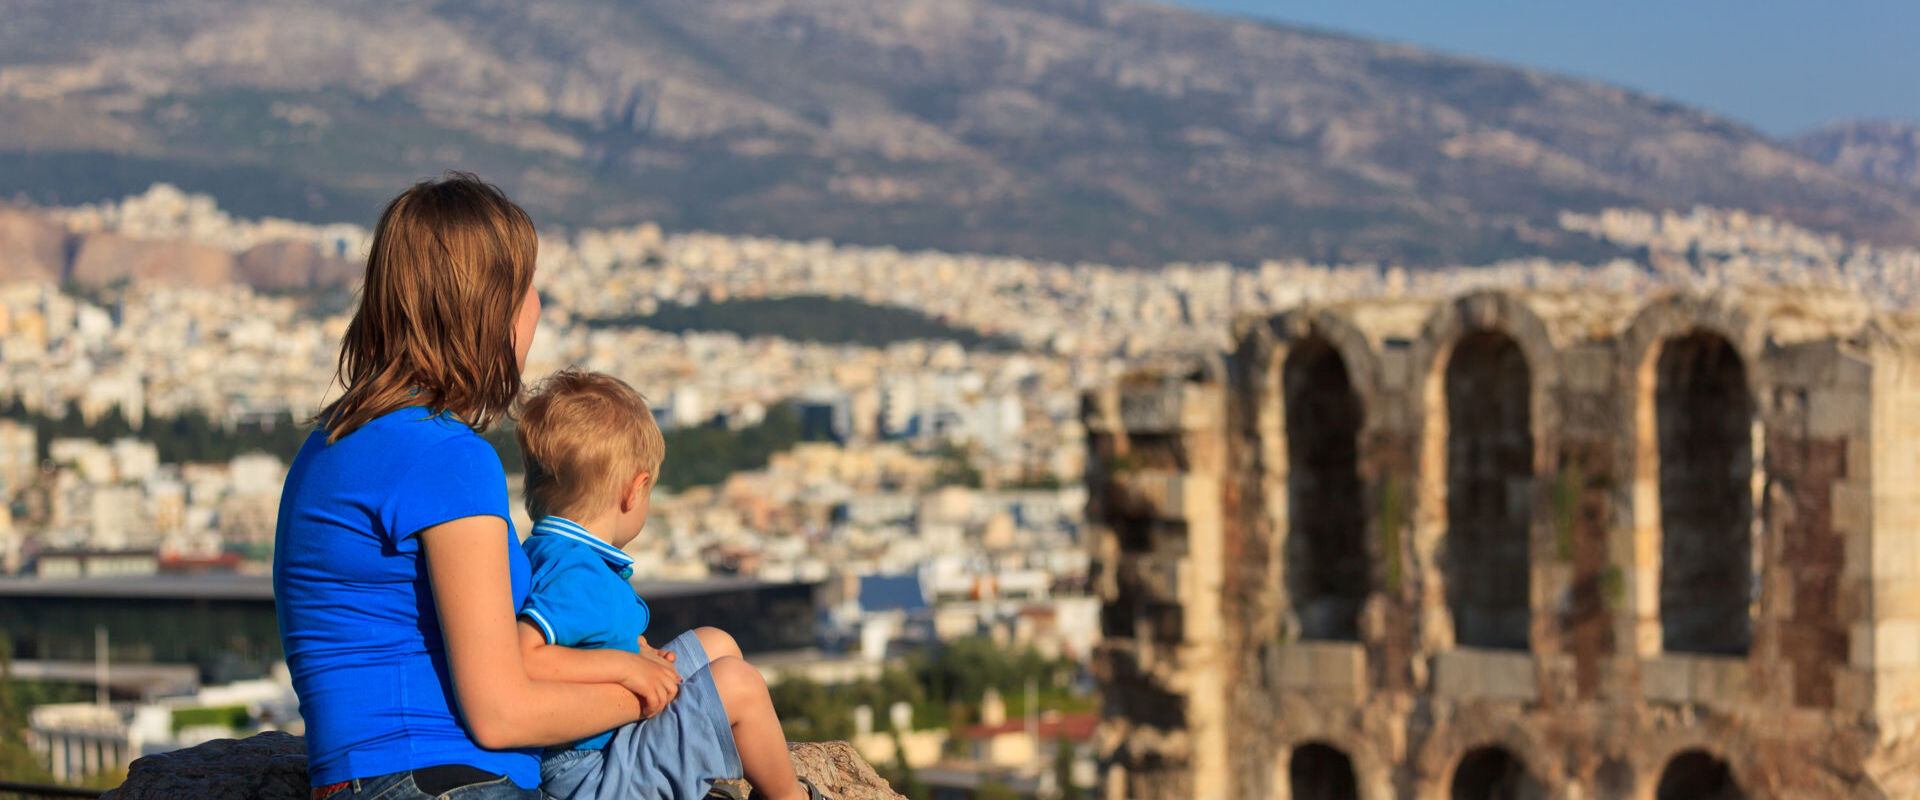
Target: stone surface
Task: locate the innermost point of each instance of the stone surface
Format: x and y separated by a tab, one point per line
266	766
839	772
273	766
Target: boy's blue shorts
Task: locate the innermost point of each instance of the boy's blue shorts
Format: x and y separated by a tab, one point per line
676	755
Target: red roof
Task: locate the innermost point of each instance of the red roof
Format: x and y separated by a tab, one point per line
1077	726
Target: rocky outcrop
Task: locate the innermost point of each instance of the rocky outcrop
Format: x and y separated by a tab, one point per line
35	246
292	266
273	766
104	259
839	771
32	247
268	766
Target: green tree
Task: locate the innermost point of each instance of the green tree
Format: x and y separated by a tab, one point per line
17	763
696	456
188	437
908	781
1063	770
995	790
955	467
810	712
810	318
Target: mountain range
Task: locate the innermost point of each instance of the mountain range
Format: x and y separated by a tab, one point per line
1100	130
1882	151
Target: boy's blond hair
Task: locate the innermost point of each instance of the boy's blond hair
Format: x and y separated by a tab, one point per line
585	435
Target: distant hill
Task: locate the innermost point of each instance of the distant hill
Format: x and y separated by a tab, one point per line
809	318
1069	129
1880	151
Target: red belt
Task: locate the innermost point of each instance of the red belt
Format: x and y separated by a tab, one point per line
322	792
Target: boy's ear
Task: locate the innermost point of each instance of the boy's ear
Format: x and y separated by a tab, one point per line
635	490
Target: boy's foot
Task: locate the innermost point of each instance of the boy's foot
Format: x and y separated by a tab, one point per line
727	790
813	792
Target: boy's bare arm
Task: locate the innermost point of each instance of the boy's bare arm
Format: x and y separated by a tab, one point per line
650	677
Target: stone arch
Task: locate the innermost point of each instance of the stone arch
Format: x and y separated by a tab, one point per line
1317	348
1695	374
1493	773
1480	467
1320	771
1697	775
1339	332
1325	566
1372	769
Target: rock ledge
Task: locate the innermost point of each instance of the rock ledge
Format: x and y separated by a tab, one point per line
273	766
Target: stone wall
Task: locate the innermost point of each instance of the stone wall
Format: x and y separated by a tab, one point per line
1517	545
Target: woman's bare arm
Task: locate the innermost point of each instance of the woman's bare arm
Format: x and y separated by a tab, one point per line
646	674
500	705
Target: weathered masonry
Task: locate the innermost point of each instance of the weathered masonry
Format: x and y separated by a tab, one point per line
1518	545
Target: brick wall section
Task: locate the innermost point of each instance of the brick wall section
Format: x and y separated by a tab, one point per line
1583	499
1155	494
1809	636
1209	688
1391	650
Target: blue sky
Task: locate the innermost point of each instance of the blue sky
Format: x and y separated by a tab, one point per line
1781	66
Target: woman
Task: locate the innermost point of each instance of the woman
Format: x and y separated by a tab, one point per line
396	571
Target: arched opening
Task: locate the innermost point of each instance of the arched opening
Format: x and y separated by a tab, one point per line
1704	419
1326	557
1614	778
1321	772
1489	490
1697	775
1492	773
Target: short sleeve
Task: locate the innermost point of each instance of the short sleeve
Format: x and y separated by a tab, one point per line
561	604
455	478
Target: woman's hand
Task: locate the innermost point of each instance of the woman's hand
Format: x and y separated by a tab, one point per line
655	683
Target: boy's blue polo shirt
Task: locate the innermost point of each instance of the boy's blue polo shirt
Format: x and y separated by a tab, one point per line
580	595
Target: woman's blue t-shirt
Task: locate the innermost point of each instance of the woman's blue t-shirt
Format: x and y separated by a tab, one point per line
356	612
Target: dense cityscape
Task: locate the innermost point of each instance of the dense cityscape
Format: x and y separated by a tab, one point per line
932	488
1061	399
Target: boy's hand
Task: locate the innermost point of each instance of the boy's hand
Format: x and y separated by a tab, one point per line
647	648
655	683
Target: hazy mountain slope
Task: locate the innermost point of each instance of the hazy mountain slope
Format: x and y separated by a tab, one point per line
1880	151
1076	129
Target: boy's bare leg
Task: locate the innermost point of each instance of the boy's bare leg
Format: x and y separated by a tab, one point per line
756	729
718	643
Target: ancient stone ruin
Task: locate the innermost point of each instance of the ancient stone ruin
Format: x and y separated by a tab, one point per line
1517	545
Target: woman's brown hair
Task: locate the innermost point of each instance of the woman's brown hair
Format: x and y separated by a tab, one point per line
450	264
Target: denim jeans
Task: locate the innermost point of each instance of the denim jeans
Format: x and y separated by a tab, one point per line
400	786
